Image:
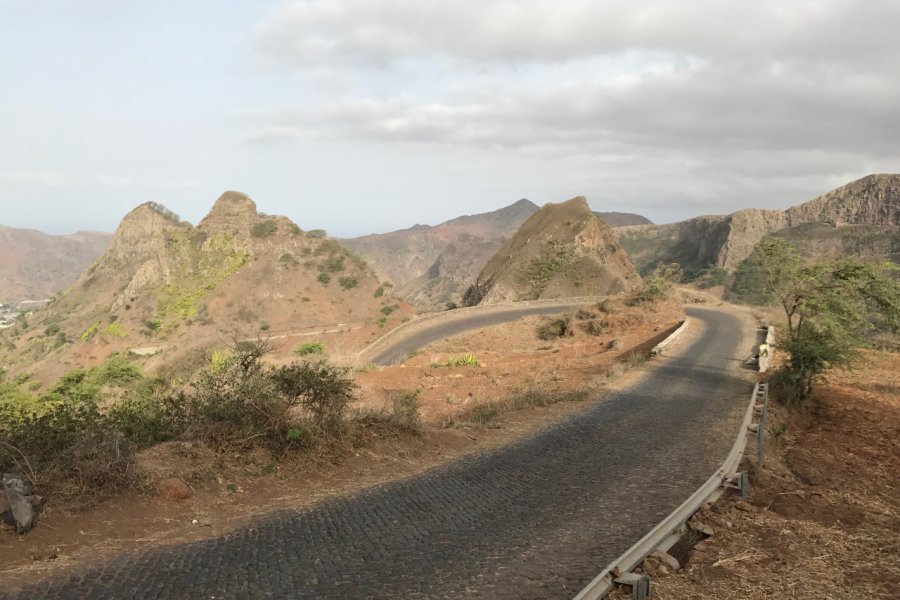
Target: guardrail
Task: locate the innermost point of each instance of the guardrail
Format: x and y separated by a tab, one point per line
667	532
660	347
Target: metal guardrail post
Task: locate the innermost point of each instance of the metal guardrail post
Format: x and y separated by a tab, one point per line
762	390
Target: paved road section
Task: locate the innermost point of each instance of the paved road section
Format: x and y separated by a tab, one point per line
537	519
428	333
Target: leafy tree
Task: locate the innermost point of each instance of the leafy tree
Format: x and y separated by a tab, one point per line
832	307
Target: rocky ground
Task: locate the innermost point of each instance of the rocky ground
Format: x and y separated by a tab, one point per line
823	517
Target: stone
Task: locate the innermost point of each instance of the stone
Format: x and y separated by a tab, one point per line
702	528
174	489
666	559
22	511
744	506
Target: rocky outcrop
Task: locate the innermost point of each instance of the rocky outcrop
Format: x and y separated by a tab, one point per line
872	200
233	213
726	241
432	265
561	250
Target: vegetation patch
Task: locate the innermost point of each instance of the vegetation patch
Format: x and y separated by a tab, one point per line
310	348
464	360
264	229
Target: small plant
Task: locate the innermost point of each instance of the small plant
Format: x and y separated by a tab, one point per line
382	321
386	310
466	360
324	278
316	233
555	328
264	229
485	415
405	409
310	348
287	259
379	291
348	282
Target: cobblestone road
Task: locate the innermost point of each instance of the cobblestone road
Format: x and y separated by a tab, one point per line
537	519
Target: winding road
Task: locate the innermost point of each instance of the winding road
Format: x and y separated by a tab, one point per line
536	519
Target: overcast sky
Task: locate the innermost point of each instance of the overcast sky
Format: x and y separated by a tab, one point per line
372	115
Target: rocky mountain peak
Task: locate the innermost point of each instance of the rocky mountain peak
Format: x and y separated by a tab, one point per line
233	211
562	250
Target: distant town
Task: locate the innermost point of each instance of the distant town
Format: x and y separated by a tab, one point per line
10	311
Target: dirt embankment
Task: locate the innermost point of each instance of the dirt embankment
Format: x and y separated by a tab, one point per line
823	518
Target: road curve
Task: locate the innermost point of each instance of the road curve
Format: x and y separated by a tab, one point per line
536	519
403	344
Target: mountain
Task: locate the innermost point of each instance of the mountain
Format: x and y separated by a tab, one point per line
725	241
179	290
35	266
561	250
433	265
620	219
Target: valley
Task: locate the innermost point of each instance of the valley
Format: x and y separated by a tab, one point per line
174	321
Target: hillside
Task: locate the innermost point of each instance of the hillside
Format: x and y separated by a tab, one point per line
171	291
561	250
34	265
433	265
725	241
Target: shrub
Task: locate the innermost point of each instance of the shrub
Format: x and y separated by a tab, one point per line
309	348
264	228
335	263
386	310
658	283
379	291
405	410
466	360
322	389
485	414
555	328
324	278
316	233
348	282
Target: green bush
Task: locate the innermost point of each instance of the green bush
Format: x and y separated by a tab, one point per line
335	263
379	291
264	228
309	348
316	233
348	282
324	278
322	389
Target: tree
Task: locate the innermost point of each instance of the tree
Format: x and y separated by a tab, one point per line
832	308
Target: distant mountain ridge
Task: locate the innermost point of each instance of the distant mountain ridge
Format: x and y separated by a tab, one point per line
35	265
562	250
432	266
725	241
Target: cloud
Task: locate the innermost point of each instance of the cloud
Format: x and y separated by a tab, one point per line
659	102
380	32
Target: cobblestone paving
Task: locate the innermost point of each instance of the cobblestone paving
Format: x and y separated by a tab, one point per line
537	519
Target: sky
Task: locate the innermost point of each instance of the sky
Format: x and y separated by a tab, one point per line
361	116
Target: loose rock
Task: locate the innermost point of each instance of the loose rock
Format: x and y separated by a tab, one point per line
174	489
